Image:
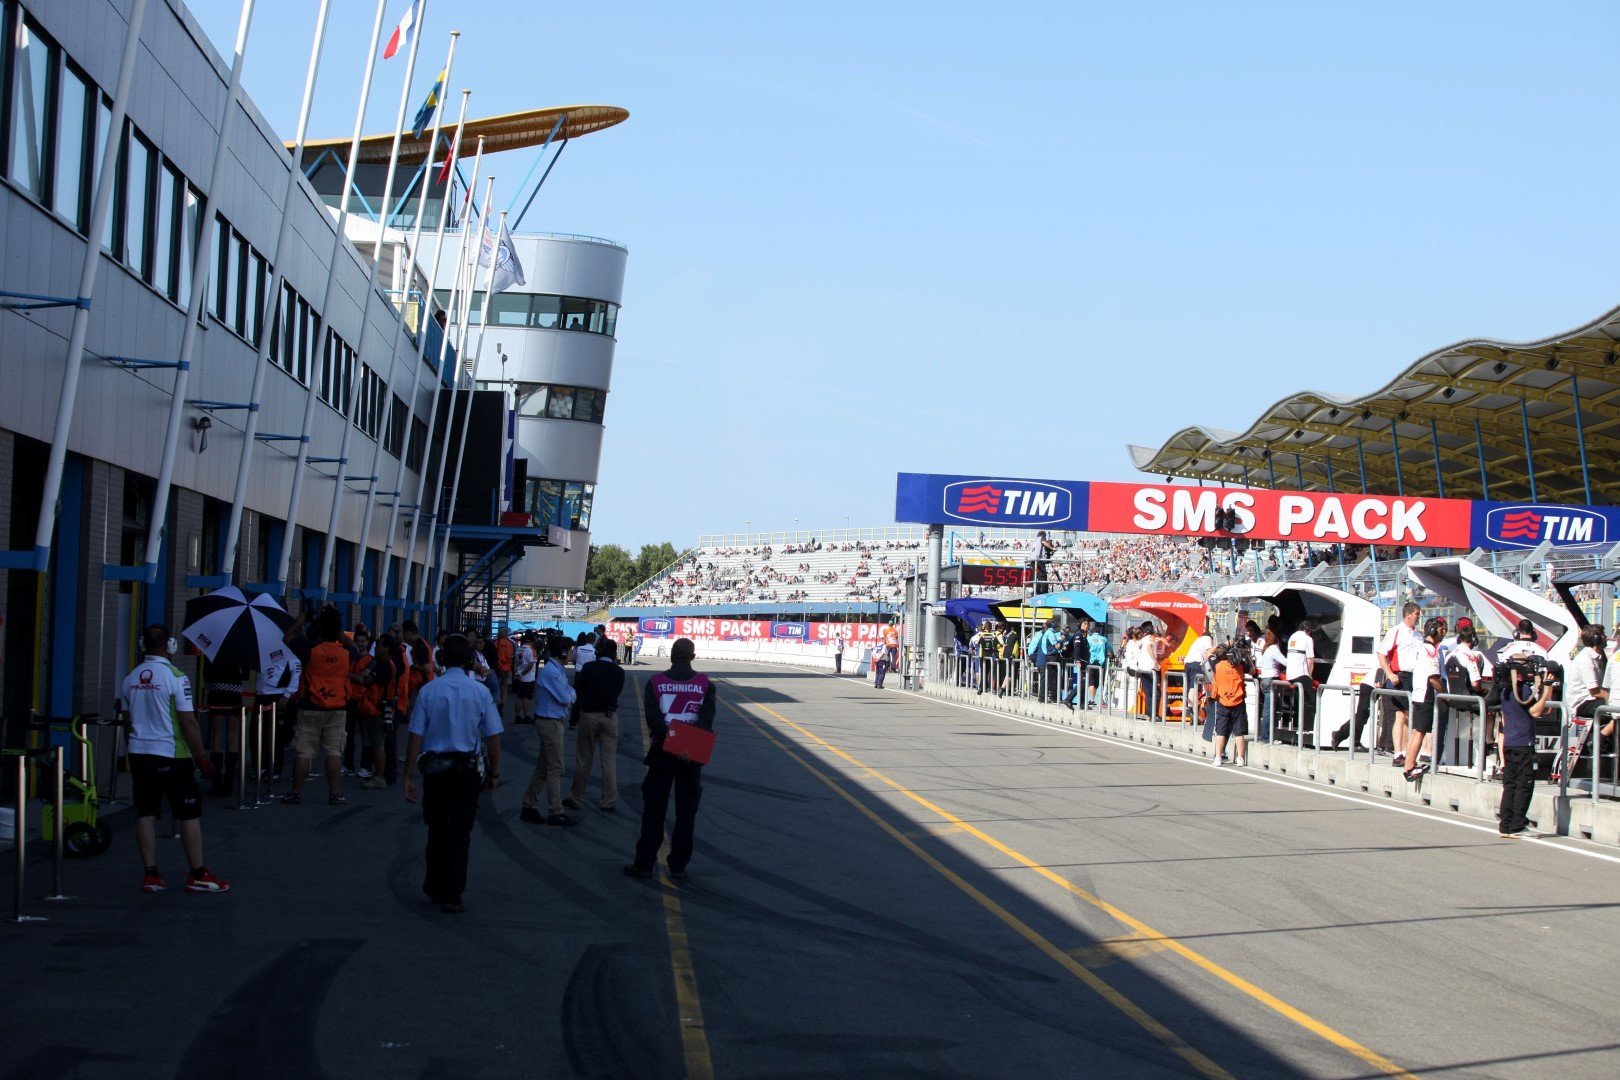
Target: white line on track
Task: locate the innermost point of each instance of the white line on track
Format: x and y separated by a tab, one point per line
1250	774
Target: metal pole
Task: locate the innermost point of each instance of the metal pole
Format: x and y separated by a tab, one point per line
241	763
1586	475
1439	477
470	367
194	308
433	408
462	307
329	544
1484	477
1395	454
20	839
1372	549
99	209
936	537
58	845
321	329
272	300
1529	455
411	252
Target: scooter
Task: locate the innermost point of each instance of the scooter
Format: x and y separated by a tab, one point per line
84	833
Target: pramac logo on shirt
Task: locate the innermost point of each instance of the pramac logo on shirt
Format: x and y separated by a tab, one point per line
1000	502
1529	526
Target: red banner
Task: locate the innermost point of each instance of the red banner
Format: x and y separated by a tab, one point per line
1263	514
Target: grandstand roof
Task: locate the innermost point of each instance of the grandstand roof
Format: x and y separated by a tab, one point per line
509	131
1467	400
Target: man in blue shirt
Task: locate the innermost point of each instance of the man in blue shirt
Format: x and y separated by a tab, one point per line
1525	699
453	717
1098	650
1044	649
553	698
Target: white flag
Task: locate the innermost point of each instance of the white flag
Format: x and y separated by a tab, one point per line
508	271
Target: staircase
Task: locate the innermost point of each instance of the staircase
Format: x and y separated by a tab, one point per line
481	566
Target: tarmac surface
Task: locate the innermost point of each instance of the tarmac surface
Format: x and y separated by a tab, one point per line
885	885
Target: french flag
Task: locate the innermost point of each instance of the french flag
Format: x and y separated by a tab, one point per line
402	33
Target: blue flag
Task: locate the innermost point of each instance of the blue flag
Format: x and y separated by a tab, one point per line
424	115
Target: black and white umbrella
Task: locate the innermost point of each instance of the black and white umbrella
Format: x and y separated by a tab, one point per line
229	628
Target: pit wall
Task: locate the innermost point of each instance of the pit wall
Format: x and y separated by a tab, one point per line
1575	815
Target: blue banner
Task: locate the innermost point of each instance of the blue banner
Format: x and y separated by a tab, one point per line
793	631
994	501
658	627
1527	525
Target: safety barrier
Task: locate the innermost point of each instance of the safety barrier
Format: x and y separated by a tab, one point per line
1473	703
57	757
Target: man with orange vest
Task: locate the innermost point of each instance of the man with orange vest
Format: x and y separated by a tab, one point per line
324	715
371	681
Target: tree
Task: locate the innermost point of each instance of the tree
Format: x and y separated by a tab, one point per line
653	558
610	571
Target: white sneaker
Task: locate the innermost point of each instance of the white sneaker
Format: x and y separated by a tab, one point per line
1240	762
364	774
1217	762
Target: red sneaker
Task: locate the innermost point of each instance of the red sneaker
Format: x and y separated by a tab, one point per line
153	883
206	882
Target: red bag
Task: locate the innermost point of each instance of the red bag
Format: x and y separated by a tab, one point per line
689	739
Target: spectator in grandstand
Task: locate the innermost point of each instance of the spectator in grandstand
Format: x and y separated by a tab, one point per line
1397	655
1230	707
1426	684
554	698
598	684
1523	702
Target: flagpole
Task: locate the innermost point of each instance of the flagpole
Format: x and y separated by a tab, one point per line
472	377
272	299
194	308
106	180
318	347
329	545
461	346
380	585
438	383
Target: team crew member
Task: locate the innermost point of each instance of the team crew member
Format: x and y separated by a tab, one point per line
322	718
553	700
524	671
278	688
371	681
677	696
1524	644
1195	665
1426	684
453	718
421	660
165	752
838	653
1298	668
505	653
1397	654
598	685
1523	702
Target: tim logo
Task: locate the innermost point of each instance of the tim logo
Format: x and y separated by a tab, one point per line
791	630
1023	502
1528	526
657	626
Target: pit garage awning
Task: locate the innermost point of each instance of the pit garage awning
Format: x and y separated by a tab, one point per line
1479	419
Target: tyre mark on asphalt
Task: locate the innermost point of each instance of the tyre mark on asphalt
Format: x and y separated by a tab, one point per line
265	1030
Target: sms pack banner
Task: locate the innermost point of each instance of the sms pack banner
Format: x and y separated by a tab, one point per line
1257	513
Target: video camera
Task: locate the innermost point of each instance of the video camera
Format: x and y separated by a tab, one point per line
1529	668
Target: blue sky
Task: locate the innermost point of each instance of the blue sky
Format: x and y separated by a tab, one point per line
877	237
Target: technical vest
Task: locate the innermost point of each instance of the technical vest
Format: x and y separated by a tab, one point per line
680	700
368	699
402	682
503	655
326	676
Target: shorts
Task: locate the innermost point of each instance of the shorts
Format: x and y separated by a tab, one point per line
1423	716
372	729
523	691
320	729
158	777
1232	720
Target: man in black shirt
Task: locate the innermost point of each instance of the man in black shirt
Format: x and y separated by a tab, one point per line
598	684
1524	699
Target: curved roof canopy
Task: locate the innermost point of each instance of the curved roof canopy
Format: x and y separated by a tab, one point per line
509	131
1454	423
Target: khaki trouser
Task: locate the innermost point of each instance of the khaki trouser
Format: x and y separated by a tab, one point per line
548	768
597	731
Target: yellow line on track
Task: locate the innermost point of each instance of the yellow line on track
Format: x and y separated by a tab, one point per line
688	1005
1146	933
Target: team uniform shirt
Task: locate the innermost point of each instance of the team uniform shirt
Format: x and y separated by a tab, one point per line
1402	641
1097	645
583	654
1198	652
1518	650
1272	663
156	693
1301	656
523	666
1426	665
454	714
1611	682
1475	664
1581	678
1230	689
271	679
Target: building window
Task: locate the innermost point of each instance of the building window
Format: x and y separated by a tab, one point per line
73	133
373	393
543	312
258	281
190	223
559	502
337	374
563	403
140	159
398	415
165	222
418	445
33	75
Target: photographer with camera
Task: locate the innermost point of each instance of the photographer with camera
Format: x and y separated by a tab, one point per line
1528	690
1230	707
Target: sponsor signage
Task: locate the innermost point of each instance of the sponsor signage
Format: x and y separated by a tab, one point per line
1260	513
658	627
811	633
791	631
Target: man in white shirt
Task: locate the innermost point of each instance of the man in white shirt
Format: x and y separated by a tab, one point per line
1396	655
524	668
165	754
1426	684
1196	665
